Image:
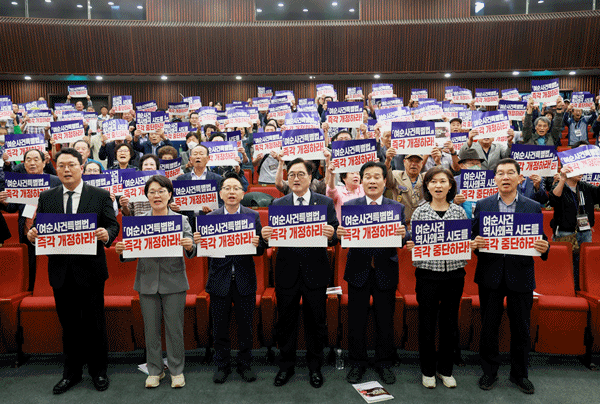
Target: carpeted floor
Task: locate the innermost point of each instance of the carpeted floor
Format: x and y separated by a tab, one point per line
557	379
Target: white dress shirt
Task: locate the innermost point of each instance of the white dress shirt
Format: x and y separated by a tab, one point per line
75	198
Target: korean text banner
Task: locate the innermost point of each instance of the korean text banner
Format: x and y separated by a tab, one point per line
306	143
25	188
371	226
477	184
194	195
511	233
78	91
16	146
413	137
67	132
492	124
533	159
148	106
39	117
103	180
511	94
302	120
176	131
222	154
515	109
208	115
122	103
115	129
223	235
349	155
441	240
194	102
344	114
582	160
266	142
382	89
487	96
178	108
66	234
172	168
150	122
153	236
134	183
545	91
297	226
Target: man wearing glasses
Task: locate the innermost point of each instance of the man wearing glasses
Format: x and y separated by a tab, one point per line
302	272
506	275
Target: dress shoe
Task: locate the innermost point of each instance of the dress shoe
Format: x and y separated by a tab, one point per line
282	377
487	382
177	381
221	375
315	378
65	384
154	381
101	383
355	374
247	374
523	384
428	381
386	374
449	381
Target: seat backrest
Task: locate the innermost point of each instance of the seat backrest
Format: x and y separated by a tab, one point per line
548	215
596	234
264	216
42	282
408	281
555	275
12	221
471	287
197	272
341	255
121	275
262	265
14	270
589	270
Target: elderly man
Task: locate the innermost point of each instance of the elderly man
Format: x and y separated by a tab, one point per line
578	123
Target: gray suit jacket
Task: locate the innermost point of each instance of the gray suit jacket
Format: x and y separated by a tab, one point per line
163	274
497	153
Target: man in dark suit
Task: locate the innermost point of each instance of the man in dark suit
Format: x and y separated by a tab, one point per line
302	272
505	275
78	280
33	163
155	141
233	280
372	272
199	159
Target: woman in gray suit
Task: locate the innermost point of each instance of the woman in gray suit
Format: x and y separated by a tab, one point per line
162	284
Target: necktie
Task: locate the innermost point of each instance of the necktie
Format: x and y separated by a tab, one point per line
373	203
300	201
70	202
373	257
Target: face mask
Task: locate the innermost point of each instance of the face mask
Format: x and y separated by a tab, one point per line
1	138
475	168
191	145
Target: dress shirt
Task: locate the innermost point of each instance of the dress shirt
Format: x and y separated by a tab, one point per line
377	201
306	197
74	199
510	208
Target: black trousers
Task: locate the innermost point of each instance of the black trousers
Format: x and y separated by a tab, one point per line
443	298
220	308
315	328
81	314
358	313
518	306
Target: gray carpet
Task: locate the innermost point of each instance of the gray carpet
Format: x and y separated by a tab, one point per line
558	379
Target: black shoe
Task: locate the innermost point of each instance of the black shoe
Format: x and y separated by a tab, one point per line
487	382
386	374
247	374
220	375
283	376
315	378
101	383
523	384
355	374
65	384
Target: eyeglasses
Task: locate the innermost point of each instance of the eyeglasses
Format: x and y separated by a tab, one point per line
92	171
229	189
161	192
299	175
71	166
509	173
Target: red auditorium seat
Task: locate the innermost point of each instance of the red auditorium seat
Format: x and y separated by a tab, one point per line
596	234
548	215
41	328
264	216
248	175
589	281
266	189
562	316
12	221
13	278
120	235
196	269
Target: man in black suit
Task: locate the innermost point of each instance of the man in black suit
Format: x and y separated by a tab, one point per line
372	272
33	163
199	157
233	280
302	272
78	280
506	275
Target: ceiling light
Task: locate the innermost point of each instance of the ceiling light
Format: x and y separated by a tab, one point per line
311	77
305	10
515	73
540	1
14	3
259	10
447	75
99	77
79	6
140	7
479	6
377	76
27	77
351	10
48	1
572	73
280	4
238	77
334	4
163	77
111	3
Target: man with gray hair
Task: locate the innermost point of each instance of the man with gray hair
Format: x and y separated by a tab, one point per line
578	123
543	126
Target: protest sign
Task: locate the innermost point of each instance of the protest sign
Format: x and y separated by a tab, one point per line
193	195
297	226
371	226
511	233
441	240
66	234
153	236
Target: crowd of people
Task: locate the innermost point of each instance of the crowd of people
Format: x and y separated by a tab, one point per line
426	187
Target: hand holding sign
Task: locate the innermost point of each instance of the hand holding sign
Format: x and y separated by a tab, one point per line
102	234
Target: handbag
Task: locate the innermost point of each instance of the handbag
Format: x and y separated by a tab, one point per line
571	238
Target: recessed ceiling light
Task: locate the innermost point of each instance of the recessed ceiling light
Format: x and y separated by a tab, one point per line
447	75
140	7
311	77
377	76
238	77
99	77
305	10
280	4
334	4
163	77
111	3
14	3
572	73
351	10
540	1
79	6
27	77
515	73
259	10
48	1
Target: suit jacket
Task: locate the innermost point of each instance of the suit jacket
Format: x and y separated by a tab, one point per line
309	262
146	148
163	274
19	207
516	270
219	269
358	264
209	176
86	269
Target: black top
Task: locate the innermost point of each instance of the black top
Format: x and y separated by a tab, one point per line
567	206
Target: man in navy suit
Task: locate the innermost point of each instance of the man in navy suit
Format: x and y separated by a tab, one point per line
33	163
155	141
78	280
505	275
199	159
302	272
233	280
372	271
